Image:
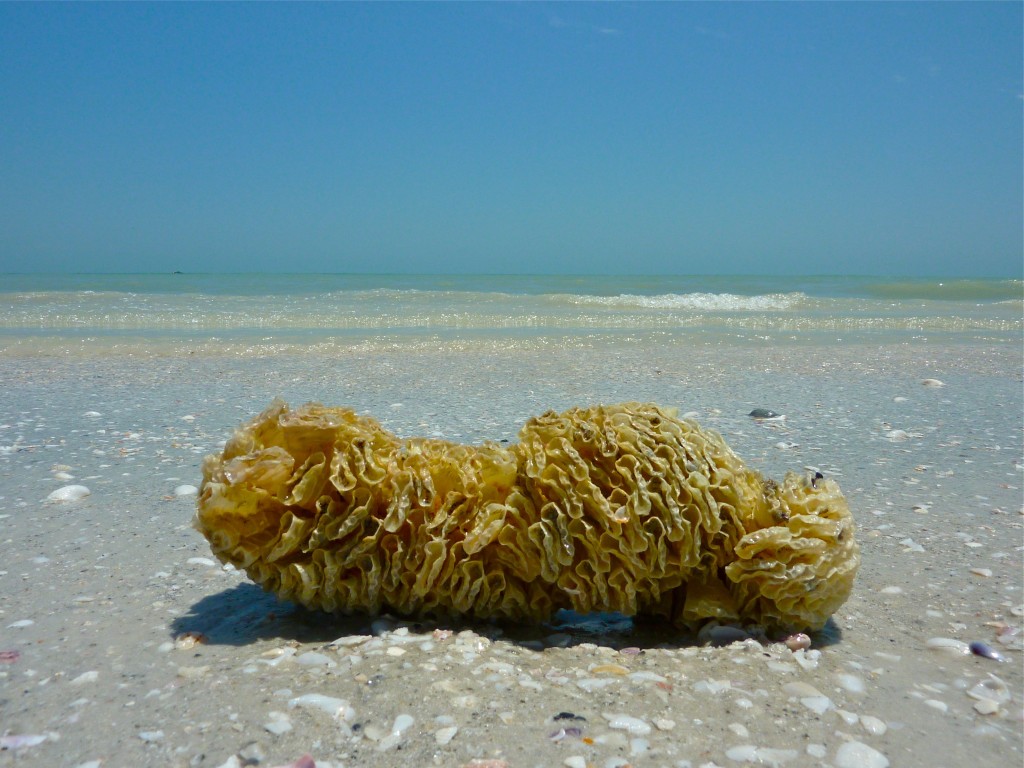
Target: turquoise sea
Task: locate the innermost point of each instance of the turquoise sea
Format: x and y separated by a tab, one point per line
108	310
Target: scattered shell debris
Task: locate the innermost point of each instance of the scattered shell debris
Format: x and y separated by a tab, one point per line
124	641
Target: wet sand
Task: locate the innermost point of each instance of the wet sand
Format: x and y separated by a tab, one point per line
122	642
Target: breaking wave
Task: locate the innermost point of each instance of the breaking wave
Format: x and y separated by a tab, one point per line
700	302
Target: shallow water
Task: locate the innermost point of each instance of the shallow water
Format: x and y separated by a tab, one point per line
99	314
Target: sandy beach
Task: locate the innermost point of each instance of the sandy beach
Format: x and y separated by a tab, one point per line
123	642
457	220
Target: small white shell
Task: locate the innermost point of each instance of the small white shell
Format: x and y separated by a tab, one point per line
744	753
444	735
633	725
992	689
340	709
69	493
855	754
800	689
402	723
851	683
949	645
873	725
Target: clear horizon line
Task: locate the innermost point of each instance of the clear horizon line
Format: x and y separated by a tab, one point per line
804	275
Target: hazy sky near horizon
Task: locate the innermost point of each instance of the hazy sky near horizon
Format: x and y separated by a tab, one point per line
686	138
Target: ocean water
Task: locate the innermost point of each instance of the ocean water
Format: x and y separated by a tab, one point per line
263	312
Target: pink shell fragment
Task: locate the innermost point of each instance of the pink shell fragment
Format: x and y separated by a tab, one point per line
20	741
306	761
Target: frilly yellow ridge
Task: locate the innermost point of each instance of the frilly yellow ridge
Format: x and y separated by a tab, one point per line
611	508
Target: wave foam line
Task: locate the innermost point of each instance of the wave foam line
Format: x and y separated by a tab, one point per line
701	302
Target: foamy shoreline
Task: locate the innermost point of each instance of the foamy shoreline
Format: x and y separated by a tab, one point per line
112	583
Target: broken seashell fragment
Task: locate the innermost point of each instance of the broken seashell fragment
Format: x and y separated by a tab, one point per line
337	708
306	761
609	669
797	641
992	690
69	493
948	645
188	640
632	725
21	740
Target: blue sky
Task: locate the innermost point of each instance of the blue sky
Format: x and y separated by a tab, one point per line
685	138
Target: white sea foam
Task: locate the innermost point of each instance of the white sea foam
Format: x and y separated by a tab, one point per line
708	302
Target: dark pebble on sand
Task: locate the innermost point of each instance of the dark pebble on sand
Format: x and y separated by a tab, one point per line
763	413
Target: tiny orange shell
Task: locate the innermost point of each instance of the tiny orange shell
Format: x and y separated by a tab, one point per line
609	669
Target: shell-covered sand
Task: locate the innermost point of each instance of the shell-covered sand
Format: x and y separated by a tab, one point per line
124	642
